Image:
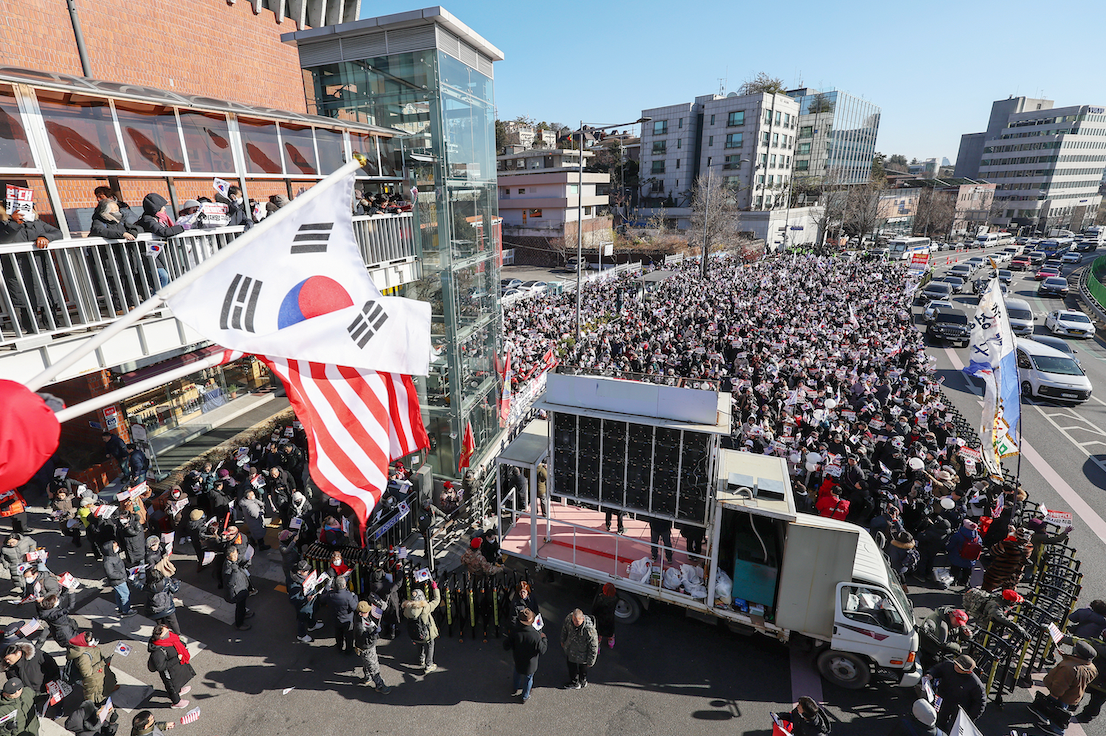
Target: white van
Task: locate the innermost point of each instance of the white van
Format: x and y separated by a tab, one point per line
1048	373
1021	317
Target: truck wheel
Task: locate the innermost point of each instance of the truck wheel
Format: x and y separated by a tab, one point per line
628	609
845	669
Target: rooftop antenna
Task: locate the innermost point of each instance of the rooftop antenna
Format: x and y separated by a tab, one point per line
721	86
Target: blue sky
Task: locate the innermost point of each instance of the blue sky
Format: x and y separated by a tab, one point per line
933	66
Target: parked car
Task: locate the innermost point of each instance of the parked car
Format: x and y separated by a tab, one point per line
1069	322
933	306
1045	272
507	284
533	286
950	325
570	264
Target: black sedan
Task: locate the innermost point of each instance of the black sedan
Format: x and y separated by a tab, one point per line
1053	286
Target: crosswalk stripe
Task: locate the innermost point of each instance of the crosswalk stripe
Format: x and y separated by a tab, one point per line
137	628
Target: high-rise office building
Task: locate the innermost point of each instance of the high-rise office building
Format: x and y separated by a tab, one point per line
1047	164
837	136
971	144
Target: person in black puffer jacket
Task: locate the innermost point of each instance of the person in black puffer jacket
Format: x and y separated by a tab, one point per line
56	616
237	583
807	718
152	204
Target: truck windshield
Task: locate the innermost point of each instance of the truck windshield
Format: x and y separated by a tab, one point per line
898	593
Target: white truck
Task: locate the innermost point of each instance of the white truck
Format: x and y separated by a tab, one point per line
653	452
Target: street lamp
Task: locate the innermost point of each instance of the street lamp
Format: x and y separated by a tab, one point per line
580	212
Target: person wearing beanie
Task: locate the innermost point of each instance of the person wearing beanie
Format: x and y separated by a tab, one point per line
20	700
603	610
96	676
1066	684
475	562
807	718
526	644
366	634
964	548
1008	560
420	622
196	530
958	687
922	721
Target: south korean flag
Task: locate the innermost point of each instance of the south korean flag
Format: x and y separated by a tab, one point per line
296	287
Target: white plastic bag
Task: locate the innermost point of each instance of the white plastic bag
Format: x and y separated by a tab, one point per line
672	578
691	575
723	588
640	570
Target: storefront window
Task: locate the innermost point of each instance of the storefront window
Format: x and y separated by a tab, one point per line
15	152
332	150
365	144
299	149
262	147
82	133
208	142
150	136
190	399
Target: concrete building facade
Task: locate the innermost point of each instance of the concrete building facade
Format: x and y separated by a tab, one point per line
971	144
540	199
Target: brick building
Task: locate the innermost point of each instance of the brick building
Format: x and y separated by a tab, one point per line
226	49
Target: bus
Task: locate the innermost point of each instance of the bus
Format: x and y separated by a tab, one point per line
901	249
1055	248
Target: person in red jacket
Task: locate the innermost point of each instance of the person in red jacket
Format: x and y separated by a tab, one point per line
832	506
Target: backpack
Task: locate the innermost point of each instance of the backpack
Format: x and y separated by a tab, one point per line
971	549
418	629
161	601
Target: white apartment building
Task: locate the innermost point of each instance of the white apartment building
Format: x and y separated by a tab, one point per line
747	140
1048	165
539	198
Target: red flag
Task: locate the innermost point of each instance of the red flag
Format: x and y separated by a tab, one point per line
356	422
468	447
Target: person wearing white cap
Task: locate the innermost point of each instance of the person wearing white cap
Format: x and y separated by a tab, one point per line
922	721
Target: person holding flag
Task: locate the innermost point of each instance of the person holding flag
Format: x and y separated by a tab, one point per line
992	358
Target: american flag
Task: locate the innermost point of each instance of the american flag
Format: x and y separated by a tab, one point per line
356	421
190	717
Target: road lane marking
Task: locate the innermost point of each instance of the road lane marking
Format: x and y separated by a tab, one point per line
1075	502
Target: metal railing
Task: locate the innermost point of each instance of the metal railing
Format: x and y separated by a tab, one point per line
385	238
1094	281
81	283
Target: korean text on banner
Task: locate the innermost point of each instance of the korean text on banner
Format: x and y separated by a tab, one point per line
992	358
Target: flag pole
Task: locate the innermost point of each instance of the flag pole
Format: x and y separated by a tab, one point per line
111	397
186	279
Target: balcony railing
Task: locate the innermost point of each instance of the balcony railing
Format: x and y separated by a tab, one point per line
80	283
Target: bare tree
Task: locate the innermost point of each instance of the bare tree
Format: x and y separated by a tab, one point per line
935	212
713	206
862	209
762	83
833	196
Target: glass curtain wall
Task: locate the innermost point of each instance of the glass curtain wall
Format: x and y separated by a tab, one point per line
446	109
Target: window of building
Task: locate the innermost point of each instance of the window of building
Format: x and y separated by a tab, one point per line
660	147
710	140
16	151
712	120
572	190
732	182
764	138
522	191
733	140
677	163
151	138
658	167
764	159
771	179
802	164
787	118
533	213
262	146
737	117
779	117
760	179
775	139
681	124
332	150
732	162
299	149
772	160
587	210
207	141
505	193
807	131
660	127
767	117
804	147
679	143
81	131
760	201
